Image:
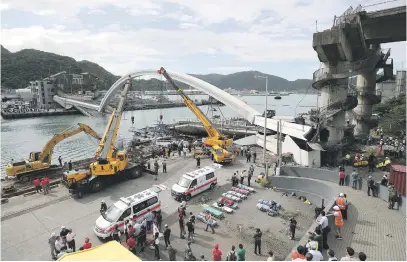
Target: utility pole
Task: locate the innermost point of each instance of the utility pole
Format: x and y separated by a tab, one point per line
279	147
265	123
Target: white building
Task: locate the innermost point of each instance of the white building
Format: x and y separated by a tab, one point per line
44	92
25	94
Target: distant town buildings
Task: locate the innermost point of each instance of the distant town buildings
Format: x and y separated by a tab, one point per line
393	87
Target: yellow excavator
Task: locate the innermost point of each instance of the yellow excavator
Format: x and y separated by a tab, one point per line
39	163
222	149
110	162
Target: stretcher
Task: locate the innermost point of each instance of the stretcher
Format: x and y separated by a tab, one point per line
250	189
201	217
241	191
236	194
231	197
227	202
228	210
214	212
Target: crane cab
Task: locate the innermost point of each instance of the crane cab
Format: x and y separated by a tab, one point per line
110	167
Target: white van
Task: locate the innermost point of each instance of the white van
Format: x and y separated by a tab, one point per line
195	182
126	208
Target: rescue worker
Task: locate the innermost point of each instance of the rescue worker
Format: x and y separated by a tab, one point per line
167	233
370	186
393	198
384	180
156	167
190	227
131	244
338	222
87	244
51	242
171	253
241	178
70	240
209	221
60	160
355	179
181	227
45	185
254	156
235	180
198	162
37	184
164	166
293	226
116	234
159	220
70	165
341	203
371	161
257	241
103	207
299	254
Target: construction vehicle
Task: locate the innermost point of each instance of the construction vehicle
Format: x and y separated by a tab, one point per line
39	163
217	141
110	162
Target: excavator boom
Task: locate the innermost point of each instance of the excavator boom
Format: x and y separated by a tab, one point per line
210	129
46	153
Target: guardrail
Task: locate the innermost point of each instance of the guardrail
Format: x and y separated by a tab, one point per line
347	16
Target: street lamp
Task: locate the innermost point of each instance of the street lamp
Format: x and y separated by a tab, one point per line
265	120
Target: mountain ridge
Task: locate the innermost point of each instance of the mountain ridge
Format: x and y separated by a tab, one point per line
28	64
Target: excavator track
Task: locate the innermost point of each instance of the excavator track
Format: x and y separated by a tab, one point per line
54	170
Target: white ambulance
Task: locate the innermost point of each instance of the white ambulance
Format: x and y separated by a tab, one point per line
128	208
195	182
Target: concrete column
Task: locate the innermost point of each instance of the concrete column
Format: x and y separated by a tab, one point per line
331	94
365	85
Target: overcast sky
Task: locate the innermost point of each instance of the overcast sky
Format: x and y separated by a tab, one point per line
191	36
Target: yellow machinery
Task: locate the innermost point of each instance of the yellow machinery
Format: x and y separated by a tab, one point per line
216	140
383	165
110	163
40	162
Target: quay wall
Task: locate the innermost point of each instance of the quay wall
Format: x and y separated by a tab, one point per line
7	115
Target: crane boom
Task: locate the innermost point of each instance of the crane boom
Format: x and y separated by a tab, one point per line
106	146
46	153
210	129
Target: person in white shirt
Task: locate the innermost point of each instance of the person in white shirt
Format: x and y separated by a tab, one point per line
59	243
331	255
70	240
316	255
149	219
323	221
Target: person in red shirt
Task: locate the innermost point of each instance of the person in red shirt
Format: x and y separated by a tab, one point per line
87	244
131	231
341	177
131	244
217	254
37	184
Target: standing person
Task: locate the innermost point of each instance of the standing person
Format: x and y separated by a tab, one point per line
362	256
159	219
103	207
241	178
341	177
241	253
70	240
331	255
231	255
198	162
142	238
249	177
355	178
37	184
322	220
234	180
59	243
156	167
187	250
192	217
318	238
167	234
338	222
293	226
254	156
190	227
316	255
44	185
181	227
171	253
370	186
149	219
371	163
60	160
51	242
156	245
70	165
350	255
209	221
116	234
131	244
257	241
216	253
248	157
341	203
64	232
164	166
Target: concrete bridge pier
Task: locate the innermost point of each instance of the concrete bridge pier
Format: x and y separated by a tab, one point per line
366	88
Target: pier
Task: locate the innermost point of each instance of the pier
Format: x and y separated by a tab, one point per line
30	114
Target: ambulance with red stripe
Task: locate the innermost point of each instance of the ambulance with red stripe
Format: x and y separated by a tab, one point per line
195	182
126	208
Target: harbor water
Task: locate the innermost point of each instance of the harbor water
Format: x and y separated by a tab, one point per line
19	137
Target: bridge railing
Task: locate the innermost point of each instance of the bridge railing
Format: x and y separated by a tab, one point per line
348	15
225	122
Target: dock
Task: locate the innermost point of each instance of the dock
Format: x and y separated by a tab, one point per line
29	114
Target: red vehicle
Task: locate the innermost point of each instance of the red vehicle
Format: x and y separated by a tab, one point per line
241	191
225	201
398	178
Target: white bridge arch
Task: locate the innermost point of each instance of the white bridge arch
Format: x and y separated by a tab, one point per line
240	107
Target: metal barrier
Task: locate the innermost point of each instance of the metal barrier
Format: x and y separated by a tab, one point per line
348	16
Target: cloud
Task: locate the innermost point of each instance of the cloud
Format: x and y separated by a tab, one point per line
229	69
96	12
